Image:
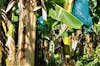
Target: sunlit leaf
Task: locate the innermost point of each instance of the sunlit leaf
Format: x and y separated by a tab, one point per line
60	14
14	18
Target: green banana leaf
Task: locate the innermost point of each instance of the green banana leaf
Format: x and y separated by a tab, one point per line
60	14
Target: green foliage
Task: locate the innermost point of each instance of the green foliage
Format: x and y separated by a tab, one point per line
14	18
96	28
93	60
95	10
15	14
60	14
57	15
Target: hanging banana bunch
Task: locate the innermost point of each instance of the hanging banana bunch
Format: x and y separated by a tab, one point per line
81	12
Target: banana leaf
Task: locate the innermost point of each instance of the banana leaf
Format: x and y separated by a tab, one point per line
60	14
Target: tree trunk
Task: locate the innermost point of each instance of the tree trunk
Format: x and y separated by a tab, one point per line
27	35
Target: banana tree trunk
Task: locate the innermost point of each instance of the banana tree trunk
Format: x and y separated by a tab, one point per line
27	35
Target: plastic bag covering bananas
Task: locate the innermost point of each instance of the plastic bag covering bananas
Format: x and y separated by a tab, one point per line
81	11
41	25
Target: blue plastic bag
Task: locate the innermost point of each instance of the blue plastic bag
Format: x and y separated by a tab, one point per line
41	25
81	11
